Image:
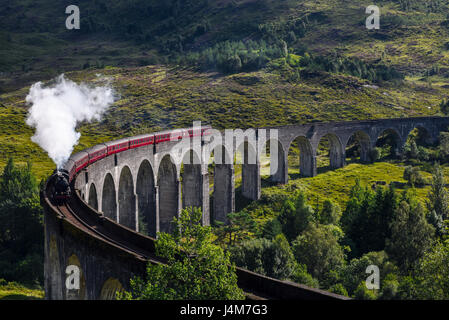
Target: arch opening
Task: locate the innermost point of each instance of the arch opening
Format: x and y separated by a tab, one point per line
358	148
273	165
301	149
418	140
146	199
93	200
192	181
110	289
330	153
168	194
247	174
388	144
127	199
109	202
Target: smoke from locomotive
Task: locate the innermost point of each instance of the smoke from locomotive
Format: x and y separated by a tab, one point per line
57	109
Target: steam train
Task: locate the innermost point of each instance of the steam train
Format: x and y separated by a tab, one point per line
80	160
61	185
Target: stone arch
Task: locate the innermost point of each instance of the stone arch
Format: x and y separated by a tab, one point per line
360	144
393	137
93	199
168	193
278	161
223	199
126	199
110	289
307	158
251	183
424	134
336	150
109	201
77	294
191	175
146	199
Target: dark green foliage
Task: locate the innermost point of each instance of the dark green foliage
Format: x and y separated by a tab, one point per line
300	275
318	248
411	234
352	274
351	66
363	293
273	258
240	226
339	289
367	217
330	213
413	176
21	230
235	56
271	229
432	276
374	154
295	216
444	146
438	198
196	269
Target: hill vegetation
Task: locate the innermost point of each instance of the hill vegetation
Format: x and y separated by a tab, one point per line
253	63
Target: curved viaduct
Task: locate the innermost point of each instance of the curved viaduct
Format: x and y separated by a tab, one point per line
108	227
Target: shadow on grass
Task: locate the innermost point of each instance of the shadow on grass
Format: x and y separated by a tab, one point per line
19	297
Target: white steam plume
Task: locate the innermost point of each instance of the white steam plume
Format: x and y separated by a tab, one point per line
56	110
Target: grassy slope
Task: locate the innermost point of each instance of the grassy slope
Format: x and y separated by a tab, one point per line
15	291
155	97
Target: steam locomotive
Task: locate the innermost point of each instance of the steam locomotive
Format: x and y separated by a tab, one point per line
61	185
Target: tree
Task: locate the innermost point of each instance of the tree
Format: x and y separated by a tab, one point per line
444	145
195	269
413	176
295	216
271	228
411	234
363	293
352	274
438	197
273	258
300	275
318	248
330	213
432	275
233	64
367	218
240	226
21	229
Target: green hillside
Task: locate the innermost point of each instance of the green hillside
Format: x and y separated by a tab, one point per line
255	63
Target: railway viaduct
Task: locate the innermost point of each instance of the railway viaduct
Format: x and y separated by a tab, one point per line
134	194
